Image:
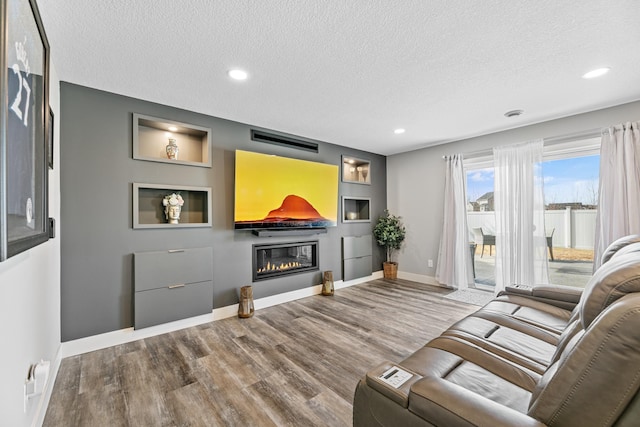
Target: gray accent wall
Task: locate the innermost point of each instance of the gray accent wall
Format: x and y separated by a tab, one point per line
415	180
97	237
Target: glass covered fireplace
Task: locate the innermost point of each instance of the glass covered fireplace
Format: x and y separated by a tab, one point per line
283	259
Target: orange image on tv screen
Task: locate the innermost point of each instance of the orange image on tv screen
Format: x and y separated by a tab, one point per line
273	192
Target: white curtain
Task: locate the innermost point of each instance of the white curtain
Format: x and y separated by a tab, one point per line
454	258
521	245
619	195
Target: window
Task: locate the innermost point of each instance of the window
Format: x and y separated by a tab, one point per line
571	183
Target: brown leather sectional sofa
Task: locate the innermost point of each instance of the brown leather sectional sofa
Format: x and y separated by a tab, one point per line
534	356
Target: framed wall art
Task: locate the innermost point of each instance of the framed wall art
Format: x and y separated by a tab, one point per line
24	124
50	140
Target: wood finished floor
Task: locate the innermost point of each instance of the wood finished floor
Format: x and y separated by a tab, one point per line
295	364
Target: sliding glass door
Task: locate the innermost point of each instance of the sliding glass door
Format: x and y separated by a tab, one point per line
571	179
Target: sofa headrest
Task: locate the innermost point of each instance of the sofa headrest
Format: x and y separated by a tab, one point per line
633	247
617	245
613	280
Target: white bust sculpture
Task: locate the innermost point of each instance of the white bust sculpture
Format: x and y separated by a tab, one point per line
172	207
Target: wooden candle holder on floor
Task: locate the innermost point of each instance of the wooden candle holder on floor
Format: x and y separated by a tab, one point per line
327	283
245	308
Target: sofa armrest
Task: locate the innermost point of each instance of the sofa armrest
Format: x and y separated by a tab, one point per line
522	290
400	394
559	293
566	297
442	403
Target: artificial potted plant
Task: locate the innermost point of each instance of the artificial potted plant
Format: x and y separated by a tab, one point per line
390	233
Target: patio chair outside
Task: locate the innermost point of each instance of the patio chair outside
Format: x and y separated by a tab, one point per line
483	239
550	243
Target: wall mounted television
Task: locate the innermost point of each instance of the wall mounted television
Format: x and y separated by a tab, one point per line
274	192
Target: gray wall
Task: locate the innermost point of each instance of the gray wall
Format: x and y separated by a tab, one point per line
97	238
415	180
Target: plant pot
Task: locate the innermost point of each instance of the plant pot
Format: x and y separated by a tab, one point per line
390	270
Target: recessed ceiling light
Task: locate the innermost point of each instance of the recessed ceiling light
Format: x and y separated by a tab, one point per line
596	73
513	113
238	74
399	131
173	128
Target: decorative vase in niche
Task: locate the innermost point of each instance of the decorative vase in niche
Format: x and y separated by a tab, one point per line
172	207
172	149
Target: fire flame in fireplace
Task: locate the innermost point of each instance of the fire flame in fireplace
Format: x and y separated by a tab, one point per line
274	267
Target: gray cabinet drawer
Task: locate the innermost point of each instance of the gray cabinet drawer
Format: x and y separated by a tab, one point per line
357	260
356	246
156	306
357	267
154	270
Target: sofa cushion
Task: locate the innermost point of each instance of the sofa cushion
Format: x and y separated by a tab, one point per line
459	378
516	341
469	352
536	313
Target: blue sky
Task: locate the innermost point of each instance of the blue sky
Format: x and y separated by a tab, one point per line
565	180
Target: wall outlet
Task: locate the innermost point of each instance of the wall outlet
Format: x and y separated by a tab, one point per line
29	386
430	263
36	381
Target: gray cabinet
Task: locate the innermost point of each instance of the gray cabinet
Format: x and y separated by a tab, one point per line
172	285
356	257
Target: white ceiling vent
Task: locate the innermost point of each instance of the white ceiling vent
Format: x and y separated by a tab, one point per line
513	113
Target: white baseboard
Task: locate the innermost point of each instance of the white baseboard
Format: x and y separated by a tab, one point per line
341	284
122	336
420	278
43	403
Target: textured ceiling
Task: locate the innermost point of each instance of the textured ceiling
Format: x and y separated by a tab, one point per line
350	72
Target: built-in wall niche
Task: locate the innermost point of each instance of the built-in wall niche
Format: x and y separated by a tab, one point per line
355	170
167	141
154	206
356	209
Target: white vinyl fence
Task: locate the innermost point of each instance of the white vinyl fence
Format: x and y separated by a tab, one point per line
571	228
